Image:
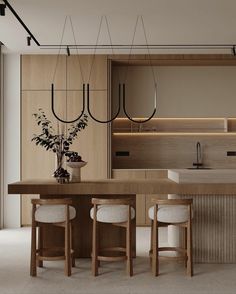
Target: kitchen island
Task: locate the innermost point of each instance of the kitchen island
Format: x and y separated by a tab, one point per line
214	232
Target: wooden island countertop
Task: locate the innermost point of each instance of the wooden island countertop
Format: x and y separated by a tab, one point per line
116	186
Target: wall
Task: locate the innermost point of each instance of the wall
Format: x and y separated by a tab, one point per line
1	138
183	91
11	137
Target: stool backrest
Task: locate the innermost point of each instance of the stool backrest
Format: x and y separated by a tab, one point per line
116	201
63	201
186	202
172	201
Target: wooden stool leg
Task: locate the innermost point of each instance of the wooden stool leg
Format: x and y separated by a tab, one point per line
155	258
33	268
40	245
72	245
129	249
151	243
95	248
98	244
185	246
67	246
189	245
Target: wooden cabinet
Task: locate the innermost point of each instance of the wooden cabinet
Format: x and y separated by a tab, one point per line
92	143
153	174
143	202
140	200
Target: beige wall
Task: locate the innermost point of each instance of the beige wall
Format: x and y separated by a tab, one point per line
11	138
183	91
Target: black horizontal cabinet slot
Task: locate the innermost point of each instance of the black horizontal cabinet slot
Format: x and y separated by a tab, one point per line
122	153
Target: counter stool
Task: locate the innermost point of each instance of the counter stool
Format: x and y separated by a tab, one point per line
51	212
118	212
177	212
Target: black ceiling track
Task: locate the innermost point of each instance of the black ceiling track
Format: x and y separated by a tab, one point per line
121	46
8	5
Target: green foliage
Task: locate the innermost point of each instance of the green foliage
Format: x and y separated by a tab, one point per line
50	140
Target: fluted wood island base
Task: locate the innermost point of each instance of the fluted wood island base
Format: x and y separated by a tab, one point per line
214	232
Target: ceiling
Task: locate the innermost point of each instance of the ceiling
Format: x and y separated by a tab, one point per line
166	22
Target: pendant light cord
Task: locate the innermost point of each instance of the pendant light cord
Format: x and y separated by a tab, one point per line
148	50
57	60
95	49
66	65
149	54
77	51
152	70
90	73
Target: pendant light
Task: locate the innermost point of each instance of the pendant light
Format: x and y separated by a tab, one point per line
152	70
52	85
88	85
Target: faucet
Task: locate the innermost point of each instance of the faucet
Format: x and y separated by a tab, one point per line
199	155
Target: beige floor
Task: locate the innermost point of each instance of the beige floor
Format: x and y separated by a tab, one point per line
15	279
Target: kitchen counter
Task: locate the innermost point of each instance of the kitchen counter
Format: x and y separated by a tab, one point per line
226	176
125	187
214	205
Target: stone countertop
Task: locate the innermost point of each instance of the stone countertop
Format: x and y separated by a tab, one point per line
202	175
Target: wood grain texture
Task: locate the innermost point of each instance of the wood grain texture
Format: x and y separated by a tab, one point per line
141	199
153	174
204	125
40	254
214	208
129	225
184	252
214	231
172	150
119	187
37	72
176	59
109	236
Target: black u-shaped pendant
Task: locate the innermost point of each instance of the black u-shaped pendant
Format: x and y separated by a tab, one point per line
54	113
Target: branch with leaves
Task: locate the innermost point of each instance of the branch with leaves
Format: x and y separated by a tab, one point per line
50	140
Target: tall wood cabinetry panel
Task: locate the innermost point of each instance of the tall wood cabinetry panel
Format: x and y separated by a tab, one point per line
140	199
37	75
154	174
143	201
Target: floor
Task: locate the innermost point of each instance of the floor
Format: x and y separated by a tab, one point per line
15	279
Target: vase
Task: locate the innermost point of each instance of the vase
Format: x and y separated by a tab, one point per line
59	160
61	175
76	170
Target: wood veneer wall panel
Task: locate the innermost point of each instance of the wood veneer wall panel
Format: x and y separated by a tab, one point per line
87	69
37	72
141	198
195	125
35	161
153	174
176	59
214	230
172	151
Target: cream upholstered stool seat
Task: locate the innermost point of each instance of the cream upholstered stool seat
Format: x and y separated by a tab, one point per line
117	212
112	213
170	214
51	212
177	212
